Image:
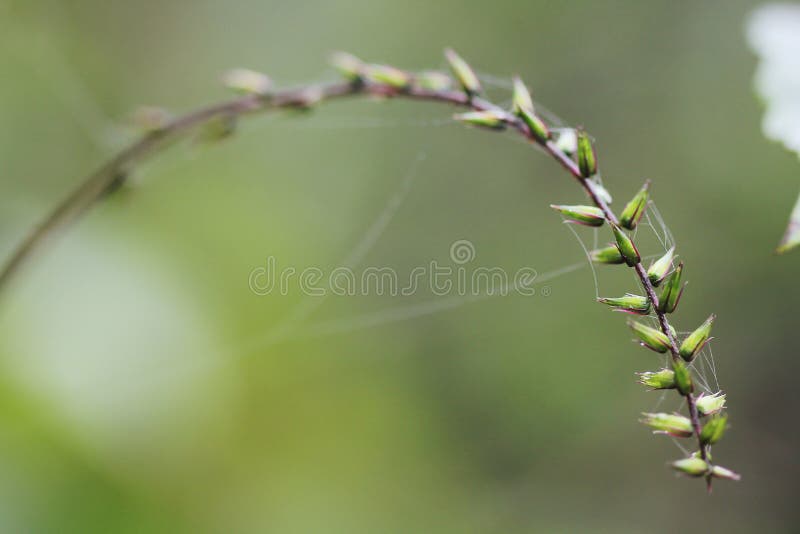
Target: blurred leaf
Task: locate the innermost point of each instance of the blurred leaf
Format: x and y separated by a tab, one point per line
774	34
791	238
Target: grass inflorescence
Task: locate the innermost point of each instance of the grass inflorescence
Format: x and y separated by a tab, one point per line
572	148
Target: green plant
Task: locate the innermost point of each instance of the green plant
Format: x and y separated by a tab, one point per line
572	149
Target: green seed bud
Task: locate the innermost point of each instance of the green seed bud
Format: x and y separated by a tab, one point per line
521	97
710	404
248	82
585	215
537	126
713	430
635	208
721	472
463	73
217	128
495	120
666	423
696	340
433	80
683	379
608	255
633	304
151	119
587	159
650	337
390	76
672	291
626	246
659	269
695	467
663	379
348	65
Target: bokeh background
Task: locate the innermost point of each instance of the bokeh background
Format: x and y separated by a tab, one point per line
145	388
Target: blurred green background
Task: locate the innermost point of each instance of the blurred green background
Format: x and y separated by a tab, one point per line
145	388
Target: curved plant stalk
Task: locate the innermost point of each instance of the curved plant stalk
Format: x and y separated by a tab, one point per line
572	150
